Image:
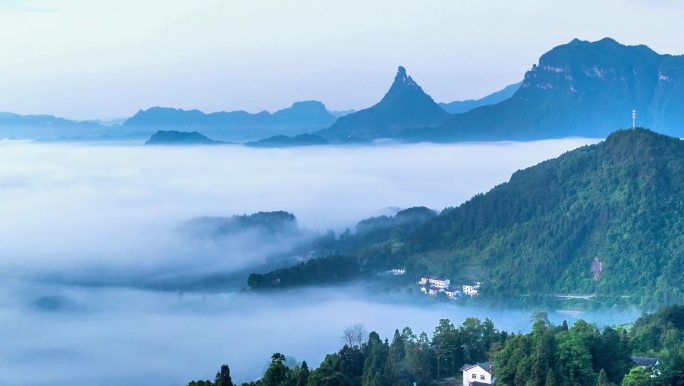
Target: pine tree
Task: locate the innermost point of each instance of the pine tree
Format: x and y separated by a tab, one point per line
602	378
277	373
397	348
223	377
303	376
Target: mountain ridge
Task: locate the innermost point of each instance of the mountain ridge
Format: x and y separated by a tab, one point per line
404	105
580	88
299	118
463	106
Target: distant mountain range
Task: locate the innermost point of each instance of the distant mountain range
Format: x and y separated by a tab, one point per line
236	126
404	106
458	107
579	89
604	219
47	126
300	118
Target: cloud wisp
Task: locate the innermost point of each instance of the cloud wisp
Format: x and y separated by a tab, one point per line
117	208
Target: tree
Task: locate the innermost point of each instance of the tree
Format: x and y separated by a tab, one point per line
326	374
512	362
638	376
223	377
612	354
602	378
374	366
277	373
350	364
397	347
201	383
544	354
353	336
574	359
550	379
540	316
446	341
418	359
303	375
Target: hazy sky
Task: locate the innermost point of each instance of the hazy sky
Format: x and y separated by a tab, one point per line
106	58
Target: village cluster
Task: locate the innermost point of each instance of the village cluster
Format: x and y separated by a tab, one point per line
433	285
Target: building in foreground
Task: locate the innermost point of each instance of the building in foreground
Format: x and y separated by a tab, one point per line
478	374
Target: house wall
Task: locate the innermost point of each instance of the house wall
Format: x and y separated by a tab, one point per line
478	372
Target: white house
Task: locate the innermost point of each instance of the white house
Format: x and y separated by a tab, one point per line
471	289
398	271
440	283
478	374
435	281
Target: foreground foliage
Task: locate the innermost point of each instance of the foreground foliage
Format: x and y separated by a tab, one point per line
547	356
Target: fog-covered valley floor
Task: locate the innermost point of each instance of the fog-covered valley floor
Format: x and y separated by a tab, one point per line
85	227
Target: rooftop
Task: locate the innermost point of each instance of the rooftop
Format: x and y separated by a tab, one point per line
645	361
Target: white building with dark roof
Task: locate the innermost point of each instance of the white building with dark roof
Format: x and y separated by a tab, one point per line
478	374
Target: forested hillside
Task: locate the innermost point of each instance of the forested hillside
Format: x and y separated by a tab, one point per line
605	219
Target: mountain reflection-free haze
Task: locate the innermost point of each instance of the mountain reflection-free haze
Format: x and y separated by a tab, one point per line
111	213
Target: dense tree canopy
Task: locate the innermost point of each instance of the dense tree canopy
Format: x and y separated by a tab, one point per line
318	271
548	355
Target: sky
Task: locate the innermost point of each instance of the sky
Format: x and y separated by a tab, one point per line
106	59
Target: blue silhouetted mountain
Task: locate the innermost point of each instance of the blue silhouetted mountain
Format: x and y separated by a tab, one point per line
580	89
46	127
286	141
300	118
404	106
173	137
341	113
458	107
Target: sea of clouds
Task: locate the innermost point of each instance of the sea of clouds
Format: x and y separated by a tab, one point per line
83	228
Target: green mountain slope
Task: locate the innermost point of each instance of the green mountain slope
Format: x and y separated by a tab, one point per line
618	205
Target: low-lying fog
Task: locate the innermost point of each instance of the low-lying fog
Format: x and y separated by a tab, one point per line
85	226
